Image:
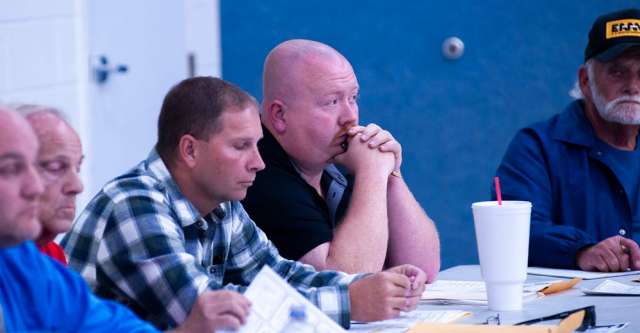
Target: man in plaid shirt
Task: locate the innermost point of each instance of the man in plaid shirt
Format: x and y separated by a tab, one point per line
172	227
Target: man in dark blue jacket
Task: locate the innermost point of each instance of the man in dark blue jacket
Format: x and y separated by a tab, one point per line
581	168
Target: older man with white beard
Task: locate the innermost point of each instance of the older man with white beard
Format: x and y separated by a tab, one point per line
581	168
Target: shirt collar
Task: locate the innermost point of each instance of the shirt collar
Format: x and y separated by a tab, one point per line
335	174
572	126
273	153
184	209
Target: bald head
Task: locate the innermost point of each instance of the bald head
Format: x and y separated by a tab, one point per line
9	118
309	98
59	160
295	61
20	185
47	123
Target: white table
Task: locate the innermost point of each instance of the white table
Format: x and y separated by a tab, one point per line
609	309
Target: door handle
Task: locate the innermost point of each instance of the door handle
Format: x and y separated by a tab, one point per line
102	70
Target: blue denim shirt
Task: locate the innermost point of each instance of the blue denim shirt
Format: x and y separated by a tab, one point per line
578	199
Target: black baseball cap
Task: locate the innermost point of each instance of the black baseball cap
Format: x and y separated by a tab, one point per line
613	33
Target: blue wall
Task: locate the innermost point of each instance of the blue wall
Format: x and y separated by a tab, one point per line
453	118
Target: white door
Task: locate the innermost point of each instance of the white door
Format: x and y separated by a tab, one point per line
148	37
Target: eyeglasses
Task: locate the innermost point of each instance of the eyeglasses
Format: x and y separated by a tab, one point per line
588	321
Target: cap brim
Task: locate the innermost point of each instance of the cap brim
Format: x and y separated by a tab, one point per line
615	51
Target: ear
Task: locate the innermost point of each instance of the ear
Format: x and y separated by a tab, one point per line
583	80
276	116
188	150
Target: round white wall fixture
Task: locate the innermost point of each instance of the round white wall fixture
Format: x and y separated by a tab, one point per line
452	48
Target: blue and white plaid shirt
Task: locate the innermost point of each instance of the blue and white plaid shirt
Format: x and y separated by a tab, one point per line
141	241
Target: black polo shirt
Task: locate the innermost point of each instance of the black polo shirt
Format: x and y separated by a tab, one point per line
289	210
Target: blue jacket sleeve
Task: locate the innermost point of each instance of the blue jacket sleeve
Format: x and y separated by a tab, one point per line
72	307
92	314
526	173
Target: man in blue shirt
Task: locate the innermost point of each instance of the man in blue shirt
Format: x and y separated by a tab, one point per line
39	294
581	168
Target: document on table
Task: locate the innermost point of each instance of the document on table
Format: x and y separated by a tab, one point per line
407	320
471	292
570	273
613	288
271	300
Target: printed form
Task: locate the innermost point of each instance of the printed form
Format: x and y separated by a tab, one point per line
271	300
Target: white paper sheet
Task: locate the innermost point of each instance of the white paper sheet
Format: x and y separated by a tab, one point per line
570	273
271	299
613	288
471	292
408	320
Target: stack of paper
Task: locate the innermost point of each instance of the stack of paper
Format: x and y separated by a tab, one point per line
408	320
613	288
471	292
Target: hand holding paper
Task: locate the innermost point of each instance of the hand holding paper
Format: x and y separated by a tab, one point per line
221	309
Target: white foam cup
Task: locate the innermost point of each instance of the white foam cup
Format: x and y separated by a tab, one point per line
502	234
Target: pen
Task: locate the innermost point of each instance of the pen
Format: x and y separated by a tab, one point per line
625	249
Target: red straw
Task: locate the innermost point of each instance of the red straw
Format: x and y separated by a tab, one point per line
496	181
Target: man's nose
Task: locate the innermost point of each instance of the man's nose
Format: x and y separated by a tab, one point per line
632	87
349	114
256	163
73	184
